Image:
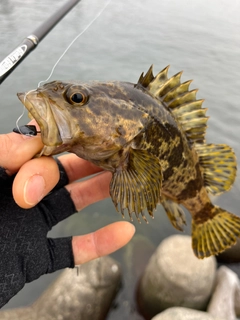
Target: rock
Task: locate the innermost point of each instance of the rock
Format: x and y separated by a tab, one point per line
230	255
237	302
175	277
135	256
179	313
226	295
86	294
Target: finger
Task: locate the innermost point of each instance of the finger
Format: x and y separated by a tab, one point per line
77	168
35	179
86	192
16	149
101	242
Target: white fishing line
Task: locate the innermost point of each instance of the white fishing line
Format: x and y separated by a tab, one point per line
72	42
22	114
19	118
60	58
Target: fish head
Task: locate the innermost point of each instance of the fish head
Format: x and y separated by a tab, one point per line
48	107
93	120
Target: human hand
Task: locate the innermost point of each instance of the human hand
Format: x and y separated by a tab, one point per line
26	252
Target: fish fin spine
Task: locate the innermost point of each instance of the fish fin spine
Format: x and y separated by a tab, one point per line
216	234
182	101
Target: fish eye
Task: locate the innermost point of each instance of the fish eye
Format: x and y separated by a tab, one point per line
76	95
77	98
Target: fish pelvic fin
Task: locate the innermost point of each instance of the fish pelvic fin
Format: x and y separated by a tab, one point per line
216	234
137	186
219	166
182	101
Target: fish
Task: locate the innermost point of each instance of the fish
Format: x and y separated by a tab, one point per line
151	137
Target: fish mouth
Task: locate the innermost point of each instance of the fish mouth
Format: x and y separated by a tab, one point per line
40	109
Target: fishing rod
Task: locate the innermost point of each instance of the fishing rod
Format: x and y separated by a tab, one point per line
8	64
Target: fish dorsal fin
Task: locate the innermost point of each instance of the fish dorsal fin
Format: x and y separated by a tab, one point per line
137	186
176	96
219	166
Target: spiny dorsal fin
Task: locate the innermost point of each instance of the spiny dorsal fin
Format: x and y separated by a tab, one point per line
145	80
219	164
180	100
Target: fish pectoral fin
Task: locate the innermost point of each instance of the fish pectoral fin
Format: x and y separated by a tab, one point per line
215	234
175	213
219	164
137	186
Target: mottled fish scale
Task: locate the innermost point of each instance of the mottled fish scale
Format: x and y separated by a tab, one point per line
151	137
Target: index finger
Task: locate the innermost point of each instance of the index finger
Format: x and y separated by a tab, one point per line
16	149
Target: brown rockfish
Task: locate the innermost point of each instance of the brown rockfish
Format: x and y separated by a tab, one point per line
151	136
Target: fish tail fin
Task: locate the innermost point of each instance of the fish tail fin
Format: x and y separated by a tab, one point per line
215	234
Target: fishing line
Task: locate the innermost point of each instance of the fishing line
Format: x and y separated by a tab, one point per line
72	42
19	130
57	62
19	118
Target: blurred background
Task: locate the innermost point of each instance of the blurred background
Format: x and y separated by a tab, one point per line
200	37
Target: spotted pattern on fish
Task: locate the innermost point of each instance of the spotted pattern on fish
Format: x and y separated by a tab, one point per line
151	136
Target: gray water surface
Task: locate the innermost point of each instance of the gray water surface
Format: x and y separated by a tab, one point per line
201	37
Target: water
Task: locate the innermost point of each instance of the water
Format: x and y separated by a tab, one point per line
200	37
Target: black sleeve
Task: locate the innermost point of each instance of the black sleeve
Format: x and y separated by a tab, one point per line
26	252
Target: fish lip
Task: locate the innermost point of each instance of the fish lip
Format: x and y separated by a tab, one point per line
40	110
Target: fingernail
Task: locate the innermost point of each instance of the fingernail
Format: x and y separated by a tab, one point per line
34	189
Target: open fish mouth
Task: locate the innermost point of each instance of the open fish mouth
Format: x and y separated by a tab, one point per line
40	110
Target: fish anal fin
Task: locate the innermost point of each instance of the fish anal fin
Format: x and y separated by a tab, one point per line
219	166
175	213
212	236
137	185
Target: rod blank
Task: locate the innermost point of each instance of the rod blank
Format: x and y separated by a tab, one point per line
8	64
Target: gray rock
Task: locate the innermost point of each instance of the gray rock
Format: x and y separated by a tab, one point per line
226	295
237	302
135	257
175	277
86	294
179	313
